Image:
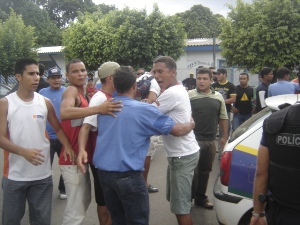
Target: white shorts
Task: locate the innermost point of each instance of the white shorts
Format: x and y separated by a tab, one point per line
153	144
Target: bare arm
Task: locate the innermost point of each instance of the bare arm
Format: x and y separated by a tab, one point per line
82	140
34	156
231	99
150	98
69	106
224	128
260	184
181	129
54	122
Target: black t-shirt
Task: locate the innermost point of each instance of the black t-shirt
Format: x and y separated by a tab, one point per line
225	90
243	100
189	83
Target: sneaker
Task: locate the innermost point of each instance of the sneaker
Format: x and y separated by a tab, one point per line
206	205
152	189
63	196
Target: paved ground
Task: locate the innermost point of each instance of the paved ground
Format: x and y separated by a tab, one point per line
159	207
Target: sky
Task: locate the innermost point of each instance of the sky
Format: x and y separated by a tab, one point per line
171	7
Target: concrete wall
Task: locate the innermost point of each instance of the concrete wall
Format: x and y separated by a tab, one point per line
191	60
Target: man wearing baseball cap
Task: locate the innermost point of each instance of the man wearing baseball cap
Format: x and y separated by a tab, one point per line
54	93
105	73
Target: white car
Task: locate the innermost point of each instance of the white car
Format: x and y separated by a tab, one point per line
233	188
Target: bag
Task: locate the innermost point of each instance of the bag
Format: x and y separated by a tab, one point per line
143	87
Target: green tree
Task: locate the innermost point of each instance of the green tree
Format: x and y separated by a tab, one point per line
62	12
16	41
46	31
129	37
200	22
264	33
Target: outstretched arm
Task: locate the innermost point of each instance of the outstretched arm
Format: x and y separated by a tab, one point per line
181	129
69	110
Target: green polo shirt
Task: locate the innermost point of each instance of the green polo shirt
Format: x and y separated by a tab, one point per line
207	109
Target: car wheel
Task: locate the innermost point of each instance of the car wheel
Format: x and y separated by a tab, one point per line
245	220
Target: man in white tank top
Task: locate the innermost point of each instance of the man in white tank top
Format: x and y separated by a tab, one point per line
23	136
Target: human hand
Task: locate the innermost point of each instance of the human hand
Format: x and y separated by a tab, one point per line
222	143
258	221
234	110
146	100
108	107
69	153
81	160
34	156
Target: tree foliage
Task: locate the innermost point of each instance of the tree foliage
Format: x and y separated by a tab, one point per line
129	37
16	41
46	31
200	22
264	33
62	12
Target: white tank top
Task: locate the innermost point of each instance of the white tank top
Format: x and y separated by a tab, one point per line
27	128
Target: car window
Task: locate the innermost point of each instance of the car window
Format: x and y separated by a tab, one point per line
249	123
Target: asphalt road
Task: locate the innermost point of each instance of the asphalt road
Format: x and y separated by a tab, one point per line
159	207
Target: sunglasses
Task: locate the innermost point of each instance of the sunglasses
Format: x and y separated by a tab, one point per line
139	73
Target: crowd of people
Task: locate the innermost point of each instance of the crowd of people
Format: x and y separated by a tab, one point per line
89	131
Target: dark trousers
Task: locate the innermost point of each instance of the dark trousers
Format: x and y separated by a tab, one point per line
202	170
126	197
276	215
55	147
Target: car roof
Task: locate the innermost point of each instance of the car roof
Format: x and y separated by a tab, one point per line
275	101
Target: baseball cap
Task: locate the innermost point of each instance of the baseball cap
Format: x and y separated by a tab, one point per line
54	71
107	69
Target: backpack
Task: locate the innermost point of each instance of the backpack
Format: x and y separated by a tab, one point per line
143	87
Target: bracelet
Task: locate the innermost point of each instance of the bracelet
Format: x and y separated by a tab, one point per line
255	214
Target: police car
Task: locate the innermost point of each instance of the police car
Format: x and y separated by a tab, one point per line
233	188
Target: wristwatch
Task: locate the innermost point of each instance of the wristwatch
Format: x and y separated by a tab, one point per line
255	214
262	198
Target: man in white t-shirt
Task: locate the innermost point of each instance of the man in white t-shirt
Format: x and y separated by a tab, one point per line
154	92
182	152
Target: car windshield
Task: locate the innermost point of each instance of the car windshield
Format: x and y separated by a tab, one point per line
249	123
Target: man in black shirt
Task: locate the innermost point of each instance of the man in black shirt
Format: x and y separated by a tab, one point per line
189	83
242	108
266	76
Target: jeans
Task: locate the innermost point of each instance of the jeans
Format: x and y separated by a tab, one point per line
55	147
126	197
238	119
38	194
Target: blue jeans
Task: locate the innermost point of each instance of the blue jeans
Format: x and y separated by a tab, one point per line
38	193
238	119
126	197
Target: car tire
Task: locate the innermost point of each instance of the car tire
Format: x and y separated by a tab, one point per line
245	220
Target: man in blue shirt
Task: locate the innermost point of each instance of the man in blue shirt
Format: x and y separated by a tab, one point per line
282	86
122	145
54	93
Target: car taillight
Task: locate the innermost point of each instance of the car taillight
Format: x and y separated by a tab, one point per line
225	167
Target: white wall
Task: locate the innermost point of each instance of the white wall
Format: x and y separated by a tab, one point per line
189	62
